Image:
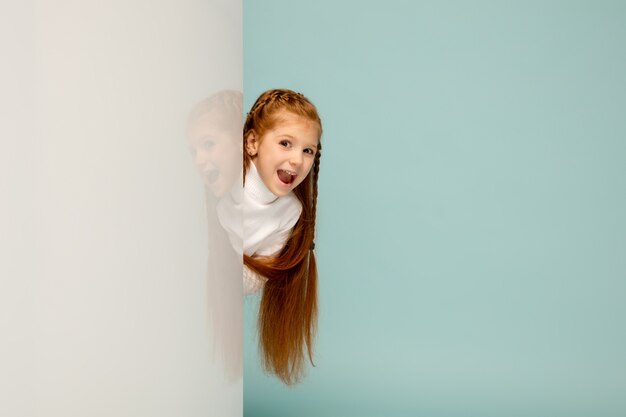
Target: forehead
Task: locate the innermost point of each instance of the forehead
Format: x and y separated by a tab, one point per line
286	122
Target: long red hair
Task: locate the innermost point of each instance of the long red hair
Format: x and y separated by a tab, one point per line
287	319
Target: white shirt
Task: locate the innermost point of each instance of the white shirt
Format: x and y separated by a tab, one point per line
266	224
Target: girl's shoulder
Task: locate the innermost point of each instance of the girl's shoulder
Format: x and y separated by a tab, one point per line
292	208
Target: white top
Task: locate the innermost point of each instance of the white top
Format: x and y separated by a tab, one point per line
266	224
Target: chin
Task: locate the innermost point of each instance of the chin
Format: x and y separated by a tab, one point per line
217	190
280	193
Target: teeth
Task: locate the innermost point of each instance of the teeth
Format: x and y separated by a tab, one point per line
289	172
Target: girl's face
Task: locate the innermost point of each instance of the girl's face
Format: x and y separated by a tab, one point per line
284	155
216	153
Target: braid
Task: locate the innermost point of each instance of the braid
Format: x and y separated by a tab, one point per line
259	104
284	97
316	170
265	99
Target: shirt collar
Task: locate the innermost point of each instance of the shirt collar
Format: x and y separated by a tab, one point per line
256	188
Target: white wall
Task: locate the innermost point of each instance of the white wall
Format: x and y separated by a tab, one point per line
104	296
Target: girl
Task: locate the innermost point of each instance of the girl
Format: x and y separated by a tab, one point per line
281	158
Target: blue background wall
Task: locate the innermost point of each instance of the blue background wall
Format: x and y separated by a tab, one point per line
472	227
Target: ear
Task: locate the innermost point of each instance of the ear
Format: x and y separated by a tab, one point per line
252	144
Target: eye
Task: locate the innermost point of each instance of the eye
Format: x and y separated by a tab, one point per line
285	143
310	151
208	144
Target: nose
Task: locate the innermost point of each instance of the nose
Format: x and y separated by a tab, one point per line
201	157
296	158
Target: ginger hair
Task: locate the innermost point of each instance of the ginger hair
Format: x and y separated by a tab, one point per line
287	320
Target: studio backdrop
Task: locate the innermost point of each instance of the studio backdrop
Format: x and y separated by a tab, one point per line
471	233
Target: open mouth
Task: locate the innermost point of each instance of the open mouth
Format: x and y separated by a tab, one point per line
212	176
286	177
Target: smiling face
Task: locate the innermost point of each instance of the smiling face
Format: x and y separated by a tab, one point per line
284	155
216	153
